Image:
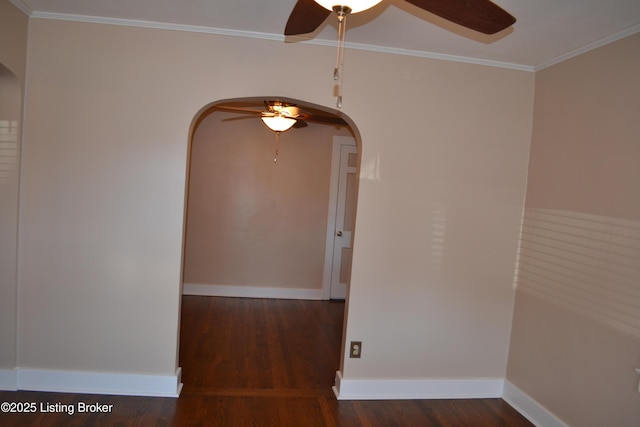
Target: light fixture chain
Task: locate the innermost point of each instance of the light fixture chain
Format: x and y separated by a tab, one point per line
275	156
338	72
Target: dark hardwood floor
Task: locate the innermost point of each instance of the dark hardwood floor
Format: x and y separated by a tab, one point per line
258	362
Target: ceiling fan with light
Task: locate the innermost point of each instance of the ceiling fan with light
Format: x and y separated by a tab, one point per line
279	116
480	15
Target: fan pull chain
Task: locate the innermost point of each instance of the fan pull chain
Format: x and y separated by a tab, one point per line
275	156
338	72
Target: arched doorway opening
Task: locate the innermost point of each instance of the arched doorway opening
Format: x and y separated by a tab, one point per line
256	228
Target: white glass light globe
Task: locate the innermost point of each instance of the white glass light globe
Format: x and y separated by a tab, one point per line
355	5
278	123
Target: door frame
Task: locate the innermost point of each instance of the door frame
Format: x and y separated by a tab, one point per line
338	143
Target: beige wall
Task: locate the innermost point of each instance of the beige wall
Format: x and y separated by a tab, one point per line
440	199
10	105
109	108
576	330
13	39
585	149
13	53
253	222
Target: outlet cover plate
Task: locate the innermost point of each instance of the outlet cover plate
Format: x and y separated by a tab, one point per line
355	349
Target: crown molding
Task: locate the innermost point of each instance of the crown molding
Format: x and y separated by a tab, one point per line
591	46
440	56
22	6
350	45
273	37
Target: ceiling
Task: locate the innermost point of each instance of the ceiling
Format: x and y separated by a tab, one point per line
546	31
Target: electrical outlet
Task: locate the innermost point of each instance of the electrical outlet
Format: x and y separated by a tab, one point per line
355	350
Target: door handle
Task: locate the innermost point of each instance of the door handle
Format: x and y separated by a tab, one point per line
339	233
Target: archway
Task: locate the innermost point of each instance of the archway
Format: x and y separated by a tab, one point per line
257	228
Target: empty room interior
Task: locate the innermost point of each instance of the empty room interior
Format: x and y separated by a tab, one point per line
471	223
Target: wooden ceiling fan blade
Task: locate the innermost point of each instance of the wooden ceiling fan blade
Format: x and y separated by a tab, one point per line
233	119
479	15
306	16
324	119
236	109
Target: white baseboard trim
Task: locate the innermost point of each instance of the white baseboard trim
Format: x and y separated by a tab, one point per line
8	380
251	292
99	383
389	389
529	407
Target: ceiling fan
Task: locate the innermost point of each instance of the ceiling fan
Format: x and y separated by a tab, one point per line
480	15
279	116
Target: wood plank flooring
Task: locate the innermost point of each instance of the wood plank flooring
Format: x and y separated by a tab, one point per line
259	362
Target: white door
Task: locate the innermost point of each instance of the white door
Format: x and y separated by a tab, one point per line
341	220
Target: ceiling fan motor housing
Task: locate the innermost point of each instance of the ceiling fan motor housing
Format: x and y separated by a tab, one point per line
349	6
